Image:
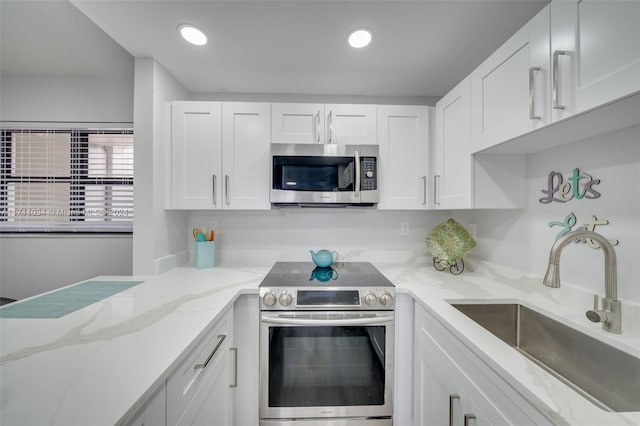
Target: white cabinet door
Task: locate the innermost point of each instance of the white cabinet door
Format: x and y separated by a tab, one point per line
453	183
509	91
297	123
196	146
403	159
153	413
245	155
317	123
246	394
595	49
351	124
435	403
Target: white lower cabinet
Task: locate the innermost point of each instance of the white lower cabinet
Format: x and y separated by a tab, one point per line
153	411
453	386
199	391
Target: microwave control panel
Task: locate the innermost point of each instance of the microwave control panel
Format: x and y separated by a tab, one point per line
368	173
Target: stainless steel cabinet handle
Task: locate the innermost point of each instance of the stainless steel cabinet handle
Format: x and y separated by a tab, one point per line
451	398
556	102
424	190
468	417
436	190
357	188
327	322
214	189
226	189
316	127
221	338
235	368
330	126
532	108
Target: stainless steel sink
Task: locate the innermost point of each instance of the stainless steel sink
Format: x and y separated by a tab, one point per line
607	376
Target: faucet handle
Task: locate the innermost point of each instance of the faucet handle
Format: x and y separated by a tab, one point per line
596	302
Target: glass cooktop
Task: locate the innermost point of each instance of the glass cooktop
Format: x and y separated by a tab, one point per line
307	274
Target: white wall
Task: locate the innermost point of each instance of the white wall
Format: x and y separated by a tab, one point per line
30	265
289	234
523	238
67	99
36	263
158	238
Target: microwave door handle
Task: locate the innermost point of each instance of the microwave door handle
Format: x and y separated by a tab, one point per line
330	322
357	187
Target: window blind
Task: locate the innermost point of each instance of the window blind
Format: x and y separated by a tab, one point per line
66	180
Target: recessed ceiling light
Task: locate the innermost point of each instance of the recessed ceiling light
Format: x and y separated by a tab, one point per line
360	37
192	34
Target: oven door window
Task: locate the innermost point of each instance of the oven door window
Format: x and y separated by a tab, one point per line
322	174
326	366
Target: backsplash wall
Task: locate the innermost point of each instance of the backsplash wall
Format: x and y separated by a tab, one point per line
523	238
289	234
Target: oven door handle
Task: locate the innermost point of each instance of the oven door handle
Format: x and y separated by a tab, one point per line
331	322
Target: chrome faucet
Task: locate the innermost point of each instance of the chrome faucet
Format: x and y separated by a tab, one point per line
610	315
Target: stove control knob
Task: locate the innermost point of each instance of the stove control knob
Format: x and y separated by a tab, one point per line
285	299
385	299
370	299
269	299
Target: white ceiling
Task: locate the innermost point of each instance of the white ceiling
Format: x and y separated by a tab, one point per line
420	48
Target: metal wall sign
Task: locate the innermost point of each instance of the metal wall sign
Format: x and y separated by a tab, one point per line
578	185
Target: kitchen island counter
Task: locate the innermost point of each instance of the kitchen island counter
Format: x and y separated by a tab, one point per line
98	364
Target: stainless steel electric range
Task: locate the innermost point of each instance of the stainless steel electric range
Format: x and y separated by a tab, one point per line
326	345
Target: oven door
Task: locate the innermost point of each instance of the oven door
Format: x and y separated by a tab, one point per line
326	364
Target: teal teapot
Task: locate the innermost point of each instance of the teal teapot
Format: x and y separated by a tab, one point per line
324	258
323	274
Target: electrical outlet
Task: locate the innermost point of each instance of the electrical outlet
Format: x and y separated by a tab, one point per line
404	229
471	229
213	225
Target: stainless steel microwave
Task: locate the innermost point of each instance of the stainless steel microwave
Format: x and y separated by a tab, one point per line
324	175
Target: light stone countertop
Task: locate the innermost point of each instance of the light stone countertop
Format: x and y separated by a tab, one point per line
97	365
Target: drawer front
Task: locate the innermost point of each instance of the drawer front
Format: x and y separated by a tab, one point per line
187	378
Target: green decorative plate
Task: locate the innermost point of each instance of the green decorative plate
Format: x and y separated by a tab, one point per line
449	242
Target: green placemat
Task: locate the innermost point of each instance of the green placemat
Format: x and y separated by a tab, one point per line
64	301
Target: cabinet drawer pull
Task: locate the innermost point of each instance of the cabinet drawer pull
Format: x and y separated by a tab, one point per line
221	338
436	190
235	368
556	102
532	108
451	398
330	126
468	417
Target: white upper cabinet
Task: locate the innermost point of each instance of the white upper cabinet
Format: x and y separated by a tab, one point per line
196	147
595	52
453	159
219	155
245	155
297	123
403	160
509	90
351	124
317	123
